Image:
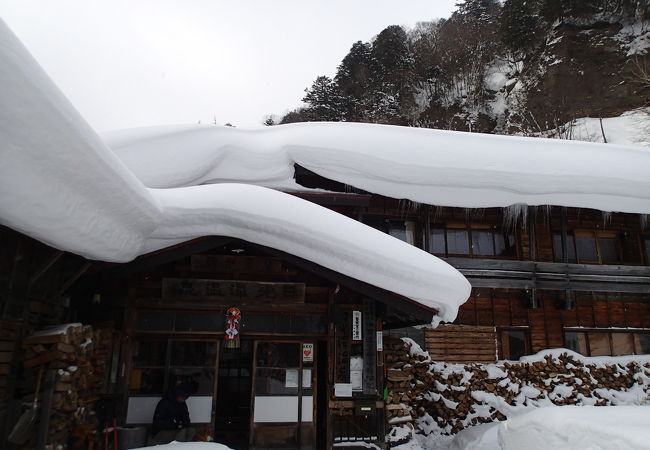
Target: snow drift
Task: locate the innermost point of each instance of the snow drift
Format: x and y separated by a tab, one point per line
437	167
572	427
59	183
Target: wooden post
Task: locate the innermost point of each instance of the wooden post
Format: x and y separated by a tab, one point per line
46	407
532	250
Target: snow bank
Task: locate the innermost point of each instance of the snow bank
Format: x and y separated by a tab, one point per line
437	167
572	427
478	437
630	128
189	446
60	184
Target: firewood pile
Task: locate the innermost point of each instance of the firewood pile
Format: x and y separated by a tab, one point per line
79	357
447	398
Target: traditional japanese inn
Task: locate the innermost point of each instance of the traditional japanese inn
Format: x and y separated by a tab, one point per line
269	270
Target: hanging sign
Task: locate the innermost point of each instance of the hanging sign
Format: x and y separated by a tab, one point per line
356	325
307	352
380	341
233	318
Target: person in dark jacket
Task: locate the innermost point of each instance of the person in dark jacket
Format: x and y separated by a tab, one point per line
171	419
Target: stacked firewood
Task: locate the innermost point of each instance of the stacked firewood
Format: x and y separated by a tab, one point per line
451	397
404	378
78	357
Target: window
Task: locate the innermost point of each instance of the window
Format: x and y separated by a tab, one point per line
404	230
646	242
454	240
514	344
588	247
457	242
607	343
160	364
576	342
559	250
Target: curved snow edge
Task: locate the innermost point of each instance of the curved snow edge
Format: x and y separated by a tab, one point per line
436	167
60	184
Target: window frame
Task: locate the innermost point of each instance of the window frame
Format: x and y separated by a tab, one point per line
500	341
610	333
384	224
470	229
596	236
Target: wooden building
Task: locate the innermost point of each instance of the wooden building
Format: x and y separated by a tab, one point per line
226	291
306	370
542	277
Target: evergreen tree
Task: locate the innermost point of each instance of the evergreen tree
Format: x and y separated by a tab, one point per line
478	12
391	56
392	76
519	25
353	80
324	100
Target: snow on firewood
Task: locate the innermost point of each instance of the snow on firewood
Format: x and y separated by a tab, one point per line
437	399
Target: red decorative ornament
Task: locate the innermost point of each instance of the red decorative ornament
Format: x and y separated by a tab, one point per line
233	318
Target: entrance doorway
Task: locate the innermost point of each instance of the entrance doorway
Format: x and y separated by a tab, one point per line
283	395
233	405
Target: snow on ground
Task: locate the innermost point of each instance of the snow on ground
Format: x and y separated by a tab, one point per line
59	183
578	427
630	128
189	446
437	167
554	427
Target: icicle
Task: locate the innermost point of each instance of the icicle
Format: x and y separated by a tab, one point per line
513	213
407	207
607	218
436	213
546	210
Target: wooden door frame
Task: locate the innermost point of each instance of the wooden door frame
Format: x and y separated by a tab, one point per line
314	382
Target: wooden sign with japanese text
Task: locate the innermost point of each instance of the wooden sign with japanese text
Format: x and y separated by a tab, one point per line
232	291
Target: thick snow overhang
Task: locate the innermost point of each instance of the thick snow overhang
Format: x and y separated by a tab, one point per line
398	311
61	184
436	167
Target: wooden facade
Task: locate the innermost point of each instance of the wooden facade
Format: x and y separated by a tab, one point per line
542	278
308	371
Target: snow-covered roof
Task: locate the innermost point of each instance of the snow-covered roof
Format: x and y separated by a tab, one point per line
61	184
436	167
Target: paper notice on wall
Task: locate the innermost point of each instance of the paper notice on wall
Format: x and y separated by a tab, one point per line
356	325
342	390
291	378
306	378
356	379
380	341
307	352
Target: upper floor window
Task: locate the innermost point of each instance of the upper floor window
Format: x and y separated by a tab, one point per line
403	230
460	240
646	243
598	247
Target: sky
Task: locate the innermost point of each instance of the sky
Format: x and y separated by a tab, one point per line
132	63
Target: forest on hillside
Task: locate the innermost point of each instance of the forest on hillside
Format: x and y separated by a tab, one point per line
517	66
